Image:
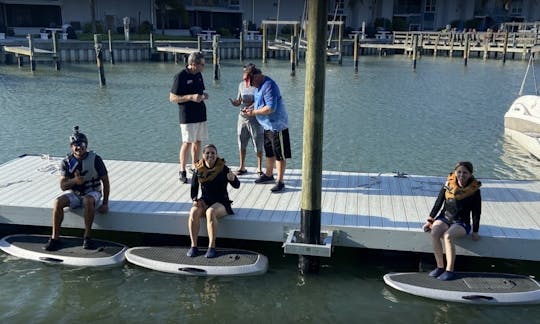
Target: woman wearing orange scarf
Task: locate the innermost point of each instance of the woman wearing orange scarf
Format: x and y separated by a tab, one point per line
461	198
212	176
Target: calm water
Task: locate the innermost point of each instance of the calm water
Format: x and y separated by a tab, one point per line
383	119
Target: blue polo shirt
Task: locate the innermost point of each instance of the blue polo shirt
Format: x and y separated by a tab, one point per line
268	94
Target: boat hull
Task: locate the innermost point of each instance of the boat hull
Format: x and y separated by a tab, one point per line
522	123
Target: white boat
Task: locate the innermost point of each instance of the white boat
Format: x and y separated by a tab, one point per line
522	120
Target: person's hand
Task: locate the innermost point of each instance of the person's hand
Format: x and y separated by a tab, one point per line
427	227
248	112
103	209
78	179
475	236
231	176
196	203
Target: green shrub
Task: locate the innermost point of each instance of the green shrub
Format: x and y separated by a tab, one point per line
146	27
87	28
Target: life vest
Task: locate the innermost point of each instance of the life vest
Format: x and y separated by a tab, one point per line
92	182
204	174
453	191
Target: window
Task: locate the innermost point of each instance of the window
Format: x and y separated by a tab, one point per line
430	5
516	8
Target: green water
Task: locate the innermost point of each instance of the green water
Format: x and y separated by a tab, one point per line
384	118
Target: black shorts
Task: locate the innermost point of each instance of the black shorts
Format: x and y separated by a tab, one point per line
277	144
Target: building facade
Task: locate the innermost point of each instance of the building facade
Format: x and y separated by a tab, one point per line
228	15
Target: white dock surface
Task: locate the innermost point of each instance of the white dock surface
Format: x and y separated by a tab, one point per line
377	211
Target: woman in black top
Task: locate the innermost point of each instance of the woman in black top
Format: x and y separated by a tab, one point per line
212	176
461	198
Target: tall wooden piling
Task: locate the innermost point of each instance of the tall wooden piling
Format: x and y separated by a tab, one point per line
56	59
31	56
414	50
199	43
313	133
111	53
215	56
294	41
241	54
505	46
264	43
466	49
99	60
355	52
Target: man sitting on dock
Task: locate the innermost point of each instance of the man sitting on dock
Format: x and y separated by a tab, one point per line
83	173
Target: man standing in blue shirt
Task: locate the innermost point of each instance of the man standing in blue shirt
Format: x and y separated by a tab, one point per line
272	115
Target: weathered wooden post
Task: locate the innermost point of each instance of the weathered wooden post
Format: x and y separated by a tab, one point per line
241	54
31	56
452	38
487	37
294	40
56	60
313	133
437	40
99	60
199	43
215	56
505	46
340	43
466	49
152	50
264	43
414	50
111	53
355	52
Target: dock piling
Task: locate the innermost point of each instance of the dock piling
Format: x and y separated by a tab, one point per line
215	56
111	53
99	60
56	60
313	134
355	52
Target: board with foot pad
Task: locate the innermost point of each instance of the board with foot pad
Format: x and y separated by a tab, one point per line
71	252
228	262
469	287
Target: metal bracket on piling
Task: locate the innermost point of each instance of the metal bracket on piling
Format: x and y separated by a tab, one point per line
323	250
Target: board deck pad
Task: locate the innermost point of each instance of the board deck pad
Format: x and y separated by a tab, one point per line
28	246
469	287
173	259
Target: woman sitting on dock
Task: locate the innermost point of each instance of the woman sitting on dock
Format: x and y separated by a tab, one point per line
212	175
461	197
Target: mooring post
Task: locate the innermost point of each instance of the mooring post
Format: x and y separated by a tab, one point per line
215	56
505	46
31	56
199	43
414	49
294	40
152	49
111	53
340	44
313	133
264	43
99	59
466	49
487	36
355	52
241	54
56	60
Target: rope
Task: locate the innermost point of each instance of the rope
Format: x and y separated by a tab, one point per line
277	20
52	167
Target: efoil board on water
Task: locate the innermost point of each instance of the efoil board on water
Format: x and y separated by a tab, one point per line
469	287
173	259
30	246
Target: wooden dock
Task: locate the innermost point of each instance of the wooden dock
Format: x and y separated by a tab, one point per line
365	210
485	44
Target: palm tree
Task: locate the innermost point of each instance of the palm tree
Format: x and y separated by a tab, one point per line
176	6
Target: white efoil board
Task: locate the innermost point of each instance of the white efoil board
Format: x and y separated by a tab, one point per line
469	287
30	246
173	259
